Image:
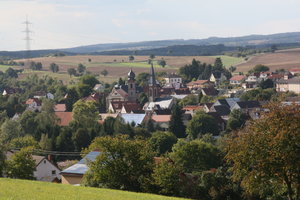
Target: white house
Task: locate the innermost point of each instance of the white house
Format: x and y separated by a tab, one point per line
173	80
33	104
160	103
42	94
45	170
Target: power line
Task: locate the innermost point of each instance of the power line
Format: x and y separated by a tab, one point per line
27	39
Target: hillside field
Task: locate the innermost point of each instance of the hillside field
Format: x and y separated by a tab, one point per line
286	59
15	189
118	66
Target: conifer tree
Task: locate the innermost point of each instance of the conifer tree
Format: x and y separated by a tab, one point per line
176	125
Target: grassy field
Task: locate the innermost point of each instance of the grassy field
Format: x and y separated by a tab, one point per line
30	190
5	67
229	60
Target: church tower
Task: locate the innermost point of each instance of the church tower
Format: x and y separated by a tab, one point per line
153	91
132	96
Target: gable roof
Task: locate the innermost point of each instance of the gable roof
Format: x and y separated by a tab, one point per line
64	118
162	103
248	104
238	78
81	167
32	100
294	80
192	107
131	107
136	118
161	118
222	110
197	82
210	91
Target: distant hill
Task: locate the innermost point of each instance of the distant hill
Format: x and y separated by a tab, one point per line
227	41
178	47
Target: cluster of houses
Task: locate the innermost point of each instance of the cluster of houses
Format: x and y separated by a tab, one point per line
123	102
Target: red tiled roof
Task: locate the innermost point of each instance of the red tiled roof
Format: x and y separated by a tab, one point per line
192	107
64	118
161	118
198	82
60	108
294	70
238	78
31	100
129	106
275	76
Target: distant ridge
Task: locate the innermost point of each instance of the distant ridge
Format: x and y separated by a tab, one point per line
178	47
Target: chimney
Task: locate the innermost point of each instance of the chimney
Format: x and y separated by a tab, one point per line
49	157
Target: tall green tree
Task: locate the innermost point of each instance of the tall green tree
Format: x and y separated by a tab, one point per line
10	129
176	125
21	165
162	142
218	66
54	67
85	114
265	156
71	98
72	72
122	164
200	124
237	119
81	68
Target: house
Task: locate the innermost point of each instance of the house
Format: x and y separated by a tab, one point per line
160	103
43	94
252	108
60	108
161	121
292	85
209	91
131	118
33	104
73	175
124	107
222	110
229	102
173	80
276	77
264	75
45	170
9	91
64	118
192	109
217	77
294	71
196	85
237	80
182	91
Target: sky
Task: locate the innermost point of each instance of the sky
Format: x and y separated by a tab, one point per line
70	23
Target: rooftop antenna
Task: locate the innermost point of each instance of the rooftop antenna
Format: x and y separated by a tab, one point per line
27	39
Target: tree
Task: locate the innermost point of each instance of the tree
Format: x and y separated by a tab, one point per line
29	123
237	119
265	155
266	84
104	72
89	80
81	68
36	66
10	129
189	100
85	113
131	58
81	139
123	163
218	66
166	177
2	159
260	68
176	125
72	97
152	56
72	72
10	72
162	62
201	124
54	67
162	142
21	165
143	98
195	156
21	142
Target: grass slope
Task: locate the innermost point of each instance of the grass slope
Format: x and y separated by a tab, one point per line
22	189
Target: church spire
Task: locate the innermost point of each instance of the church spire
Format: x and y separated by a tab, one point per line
152	80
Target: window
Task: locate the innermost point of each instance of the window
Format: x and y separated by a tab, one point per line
53	172
44	161
131	86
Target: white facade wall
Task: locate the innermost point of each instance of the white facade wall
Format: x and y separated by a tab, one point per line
45	169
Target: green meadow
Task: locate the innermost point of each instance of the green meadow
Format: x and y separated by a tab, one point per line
14	189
